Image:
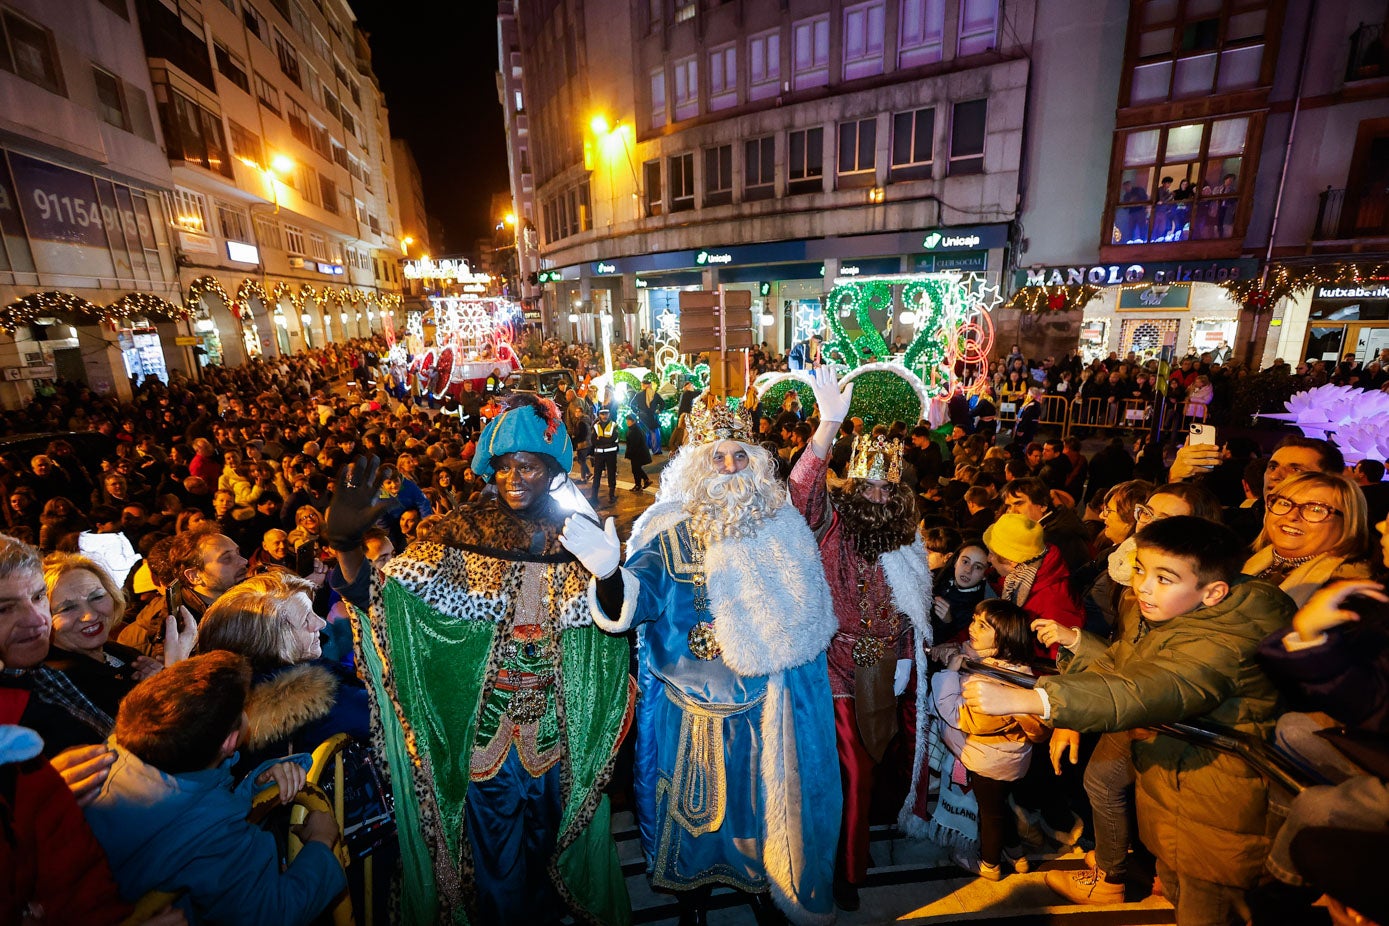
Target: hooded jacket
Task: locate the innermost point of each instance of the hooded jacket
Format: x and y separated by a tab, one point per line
295	708
1203	813
188	833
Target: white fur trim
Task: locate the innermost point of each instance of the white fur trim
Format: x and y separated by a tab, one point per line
631	589
910	579
769	598
783	846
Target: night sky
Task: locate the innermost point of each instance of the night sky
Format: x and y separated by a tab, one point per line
437	66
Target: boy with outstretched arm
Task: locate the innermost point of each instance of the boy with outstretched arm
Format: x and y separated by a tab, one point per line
1202	814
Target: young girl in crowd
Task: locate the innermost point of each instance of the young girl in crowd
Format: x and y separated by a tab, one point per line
959	586
995	751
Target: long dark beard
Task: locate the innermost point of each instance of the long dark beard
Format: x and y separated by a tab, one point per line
877	527
490	523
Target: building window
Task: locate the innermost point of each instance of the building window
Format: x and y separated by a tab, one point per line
805	161
651	173
246	146
864	28
1179	183
764	65
268	233
718	175
967	137
117	7
30	53
235	224
267	94
857	146
318	247
658	98
193	134
289	58
1206	48
723	77
294	240
328	190
685	10
759	168
231	66
686	88
189	211
339	154
110	99
978	26
913	143
920	32
298	118
810	52
681	170
255	23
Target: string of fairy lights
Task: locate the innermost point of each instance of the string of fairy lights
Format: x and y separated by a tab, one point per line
71	307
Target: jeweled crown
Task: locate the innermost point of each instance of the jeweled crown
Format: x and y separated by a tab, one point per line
719	423
876	456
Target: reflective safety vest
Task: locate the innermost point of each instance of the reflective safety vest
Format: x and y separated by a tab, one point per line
605	437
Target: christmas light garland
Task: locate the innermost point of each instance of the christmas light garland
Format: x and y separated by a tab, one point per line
28	310
1283	281
1052	298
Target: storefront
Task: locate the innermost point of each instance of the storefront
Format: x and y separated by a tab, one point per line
1146	309
1347	320
787	279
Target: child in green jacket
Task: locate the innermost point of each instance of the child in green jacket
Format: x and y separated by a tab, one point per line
1202	813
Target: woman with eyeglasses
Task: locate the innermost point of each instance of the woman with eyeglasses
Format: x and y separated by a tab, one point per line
1316	530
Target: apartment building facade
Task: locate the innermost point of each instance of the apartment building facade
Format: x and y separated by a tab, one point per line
511	92
287	225
82	174
682	144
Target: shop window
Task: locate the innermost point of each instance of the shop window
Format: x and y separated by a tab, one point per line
718	175
681	170
810	52
857	153
967	137
978	26
1179	183
686	88
864	29
805	161
920	32
764	65
723	77
1147	337
759	168
1203	47
913	144
651	172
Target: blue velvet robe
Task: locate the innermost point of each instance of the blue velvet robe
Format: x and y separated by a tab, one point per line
696	829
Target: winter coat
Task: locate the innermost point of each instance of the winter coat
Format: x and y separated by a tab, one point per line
637	450
1063	529
188	833
48	855
295	708
1200	812
995	747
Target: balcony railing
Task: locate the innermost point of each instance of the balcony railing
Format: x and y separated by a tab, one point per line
1369	55
1364	215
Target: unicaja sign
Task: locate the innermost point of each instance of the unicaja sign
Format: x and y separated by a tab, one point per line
705	257
936	240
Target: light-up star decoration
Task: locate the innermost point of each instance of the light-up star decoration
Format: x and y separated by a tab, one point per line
809	321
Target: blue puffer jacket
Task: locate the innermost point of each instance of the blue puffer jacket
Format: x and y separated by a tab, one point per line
188	833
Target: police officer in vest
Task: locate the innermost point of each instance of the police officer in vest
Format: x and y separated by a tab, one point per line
604	453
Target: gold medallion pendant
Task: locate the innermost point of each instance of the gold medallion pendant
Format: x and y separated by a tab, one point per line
868	651
527	705
703	643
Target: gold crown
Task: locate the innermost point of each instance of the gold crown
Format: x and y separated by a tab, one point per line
719	423
876	457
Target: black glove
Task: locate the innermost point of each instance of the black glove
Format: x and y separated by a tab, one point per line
356	504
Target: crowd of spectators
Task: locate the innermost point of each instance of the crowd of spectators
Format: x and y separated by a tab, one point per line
211	494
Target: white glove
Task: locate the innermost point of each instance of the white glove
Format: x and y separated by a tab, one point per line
900	676
597	548
833	404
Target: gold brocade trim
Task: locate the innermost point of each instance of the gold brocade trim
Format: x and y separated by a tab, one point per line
699	793
664	873
682	565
